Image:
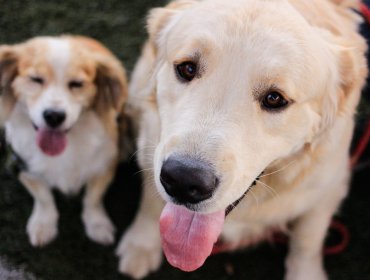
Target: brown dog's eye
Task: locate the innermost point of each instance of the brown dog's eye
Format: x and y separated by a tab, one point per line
273	100
75	84
37	80
186	71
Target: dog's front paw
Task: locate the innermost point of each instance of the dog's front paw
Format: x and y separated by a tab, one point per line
298	268
98	226
42	227
140	249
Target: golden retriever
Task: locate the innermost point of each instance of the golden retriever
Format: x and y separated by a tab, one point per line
61	97
242	96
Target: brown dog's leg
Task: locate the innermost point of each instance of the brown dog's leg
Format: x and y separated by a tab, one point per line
98	226
42	226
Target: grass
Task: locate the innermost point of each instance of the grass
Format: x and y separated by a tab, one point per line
120	26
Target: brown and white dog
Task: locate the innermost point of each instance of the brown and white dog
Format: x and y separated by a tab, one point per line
225	90
61	97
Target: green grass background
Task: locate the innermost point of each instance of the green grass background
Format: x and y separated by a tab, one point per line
120	26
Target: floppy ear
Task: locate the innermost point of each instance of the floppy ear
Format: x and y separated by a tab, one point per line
353	73
159	18
111	85
8	72
345	80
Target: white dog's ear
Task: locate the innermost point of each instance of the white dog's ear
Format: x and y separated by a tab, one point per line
352	71
8	72
346	73
111	85
159	18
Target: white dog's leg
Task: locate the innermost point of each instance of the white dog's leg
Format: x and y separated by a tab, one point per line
305	258
140	248
42	226
98	226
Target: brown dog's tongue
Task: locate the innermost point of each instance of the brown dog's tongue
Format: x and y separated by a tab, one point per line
188	237
51	142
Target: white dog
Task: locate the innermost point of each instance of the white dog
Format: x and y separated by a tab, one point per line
224	91
61	97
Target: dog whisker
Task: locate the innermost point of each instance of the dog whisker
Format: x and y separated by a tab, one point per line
279	170
139	150
143	170
270	189
255	197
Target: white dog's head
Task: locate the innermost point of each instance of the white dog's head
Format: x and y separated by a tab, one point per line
56	79
240	84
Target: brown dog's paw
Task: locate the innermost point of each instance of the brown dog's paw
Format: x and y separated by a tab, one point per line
42	228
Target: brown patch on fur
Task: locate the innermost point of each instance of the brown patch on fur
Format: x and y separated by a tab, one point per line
8	72
103	69
109	75
110	89
91	44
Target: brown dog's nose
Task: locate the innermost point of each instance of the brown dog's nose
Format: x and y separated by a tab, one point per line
54	118
188	180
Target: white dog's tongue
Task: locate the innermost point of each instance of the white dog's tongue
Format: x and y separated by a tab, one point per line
188	237
51	142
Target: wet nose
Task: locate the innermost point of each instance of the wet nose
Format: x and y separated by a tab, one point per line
188	180
54	118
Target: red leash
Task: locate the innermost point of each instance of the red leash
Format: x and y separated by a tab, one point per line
335	226
361	146
364	140
280	238
365	12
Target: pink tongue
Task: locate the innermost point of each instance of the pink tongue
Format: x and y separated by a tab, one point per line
188	237
51	142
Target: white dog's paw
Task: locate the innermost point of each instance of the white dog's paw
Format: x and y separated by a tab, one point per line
304	269
42	228
140	249
98	226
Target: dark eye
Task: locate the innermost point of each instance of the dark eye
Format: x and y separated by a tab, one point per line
75	84
37	80
186	71
273	100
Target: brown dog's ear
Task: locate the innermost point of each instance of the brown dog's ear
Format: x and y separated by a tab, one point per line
111	85
8	72
158	18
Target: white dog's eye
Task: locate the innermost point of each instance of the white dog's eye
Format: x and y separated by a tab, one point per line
75	84
274	100
37	80
186	71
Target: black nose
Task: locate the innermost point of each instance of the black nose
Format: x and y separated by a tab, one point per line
188	180
54	118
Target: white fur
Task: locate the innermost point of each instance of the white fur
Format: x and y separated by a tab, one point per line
88	145
246	48
58	57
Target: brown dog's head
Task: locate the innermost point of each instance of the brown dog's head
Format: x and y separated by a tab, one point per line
55	79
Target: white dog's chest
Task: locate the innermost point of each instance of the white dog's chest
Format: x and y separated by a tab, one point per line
89	151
